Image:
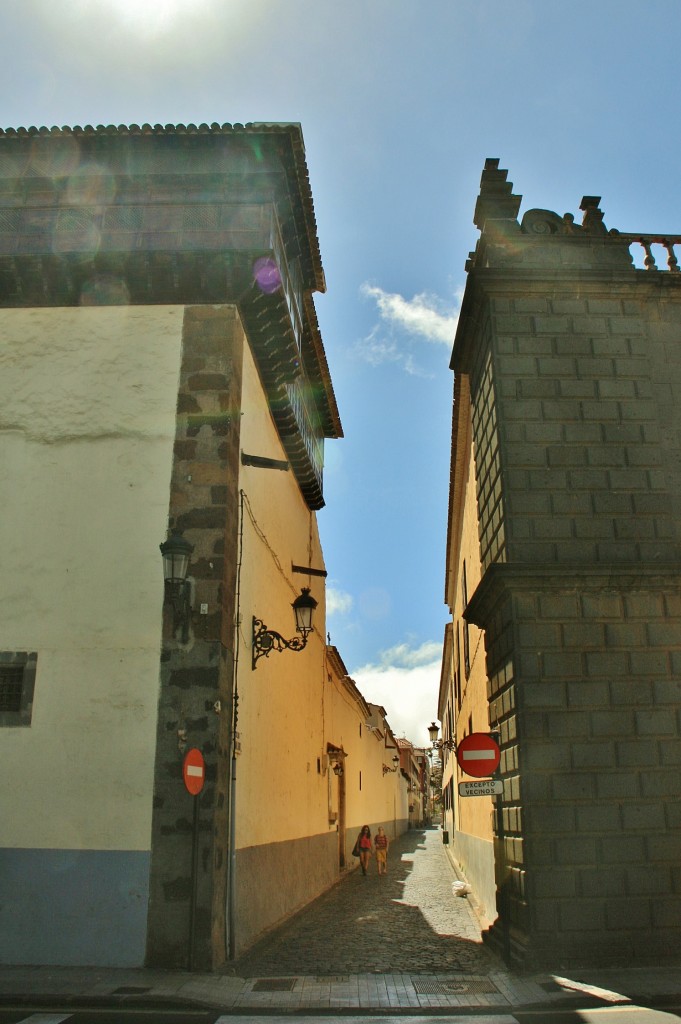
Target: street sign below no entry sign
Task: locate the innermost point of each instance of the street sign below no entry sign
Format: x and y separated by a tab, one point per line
478	754
194	771
483	787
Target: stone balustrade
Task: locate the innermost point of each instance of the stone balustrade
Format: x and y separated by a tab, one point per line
646	243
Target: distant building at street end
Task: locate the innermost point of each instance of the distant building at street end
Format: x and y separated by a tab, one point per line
563	578
415	767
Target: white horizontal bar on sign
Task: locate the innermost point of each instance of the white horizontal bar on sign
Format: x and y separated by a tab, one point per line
479	755
195	769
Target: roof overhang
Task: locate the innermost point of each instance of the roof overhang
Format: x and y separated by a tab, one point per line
177	214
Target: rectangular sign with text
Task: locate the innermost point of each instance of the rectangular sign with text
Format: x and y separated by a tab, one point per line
484	787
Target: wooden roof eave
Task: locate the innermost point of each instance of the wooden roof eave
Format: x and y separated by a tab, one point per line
461	440
445	671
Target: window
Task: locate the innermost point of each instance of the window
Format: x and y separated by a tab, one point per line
17	680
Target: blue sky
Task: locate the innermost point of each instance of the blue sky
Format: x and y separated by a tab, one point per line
400	103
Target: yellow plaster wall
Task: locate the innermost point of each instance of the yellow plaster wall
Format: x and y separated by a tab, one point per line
469	820
87	422
280	793
292	705
377	797
473	814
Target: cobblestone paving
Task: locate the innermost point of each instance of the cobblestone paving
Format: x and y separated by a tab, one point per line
407	921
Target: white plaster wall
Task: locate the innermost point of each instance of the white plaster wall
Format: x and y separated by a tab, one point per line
87	422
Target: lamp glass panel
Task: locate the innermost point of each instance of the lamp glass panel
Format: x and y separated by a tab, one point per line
175	565
303	607
303	619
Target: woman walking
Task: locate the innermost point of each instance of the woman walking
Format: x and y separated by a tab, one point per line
364	845
381	844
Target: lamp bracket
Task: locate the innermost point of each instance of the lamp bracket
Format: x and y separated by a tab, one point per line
265	640
444	745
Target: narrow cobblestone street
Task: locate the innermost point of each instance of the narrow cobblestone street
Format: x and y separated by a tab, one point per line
406	921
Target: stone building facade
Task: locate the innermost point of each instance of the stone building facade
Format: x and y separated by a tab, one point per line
161	368
568	375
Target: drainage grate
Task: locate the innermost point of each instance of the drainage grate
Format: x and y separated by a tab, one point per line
130	990
274	985
332	978
452	986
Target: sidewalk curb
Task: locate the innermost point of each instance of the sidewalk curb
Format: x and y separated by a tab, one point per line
172	1004
73	1003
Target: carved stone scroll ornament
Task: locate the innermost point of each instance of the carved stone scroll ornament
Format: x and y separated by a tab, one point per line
546	222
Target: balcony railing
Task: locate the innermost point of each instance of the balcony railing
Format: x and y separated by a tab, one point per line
645	253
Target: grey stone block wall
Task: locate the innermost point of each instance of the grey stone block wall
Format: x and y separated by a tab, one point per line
574	362
587	468
187	916
598	704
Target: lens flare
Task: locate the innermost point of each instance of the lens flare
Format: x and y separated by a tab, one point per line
266	274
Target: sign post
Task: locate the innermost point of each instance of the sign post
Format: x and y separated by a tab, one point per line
504	886
479	754
194	775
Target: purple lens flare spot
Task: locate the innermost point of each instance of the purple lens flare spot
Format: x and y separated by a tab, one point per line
266	274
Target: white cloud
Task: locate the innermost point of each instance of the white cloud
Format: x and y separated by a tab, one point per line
424	317
406	684
404	656
337	601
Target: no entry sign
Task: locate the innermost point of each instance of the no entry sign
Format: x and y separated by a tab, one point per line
194	771
478	754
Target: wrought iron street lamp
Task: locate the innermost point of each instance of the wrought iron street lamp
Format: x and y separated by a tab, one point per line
265	640
176	551
387	769
433	730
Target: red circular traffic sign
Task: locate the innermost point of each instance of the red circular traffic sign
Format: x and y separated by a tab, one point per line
194	771
478	754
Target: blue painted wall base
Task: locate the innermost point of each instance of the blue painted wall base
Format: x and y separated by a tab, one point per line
73	907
